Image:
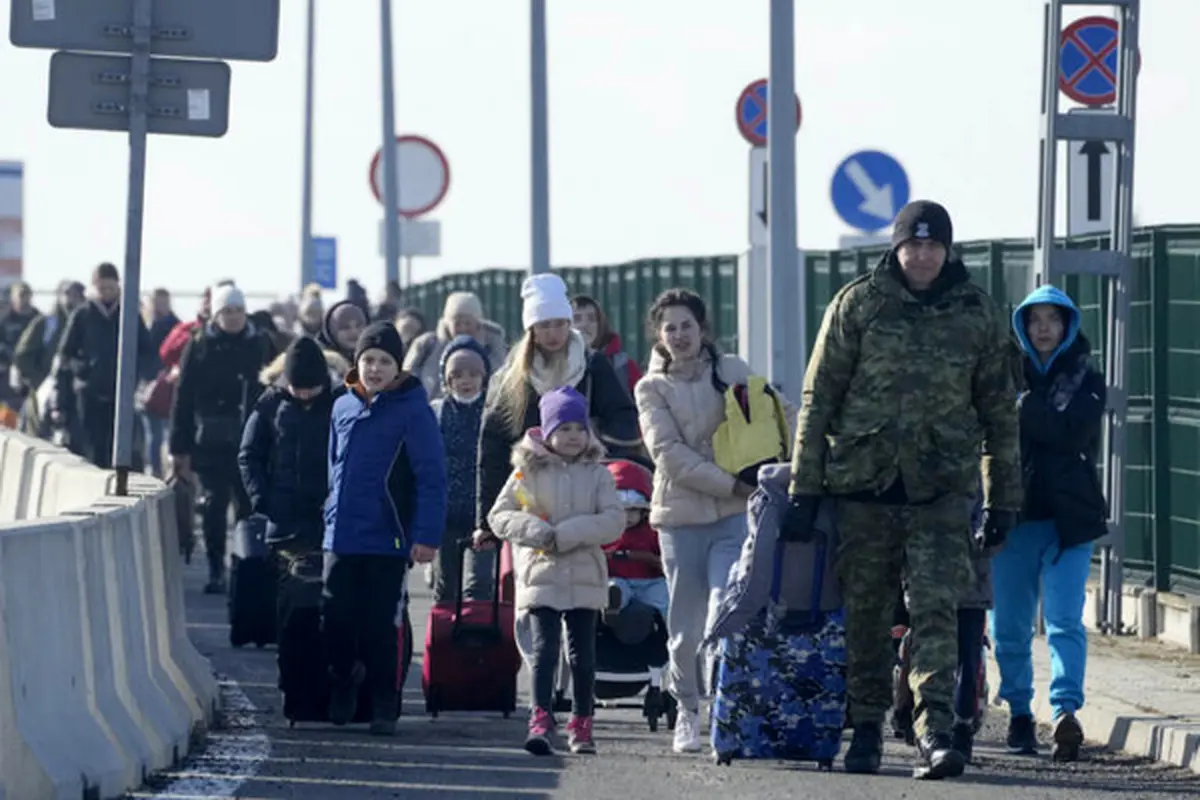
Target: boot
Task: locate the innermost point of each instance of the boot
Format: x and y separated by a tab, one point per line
962	738
1022	736
865	753
937	758
383	714
343	699
216	577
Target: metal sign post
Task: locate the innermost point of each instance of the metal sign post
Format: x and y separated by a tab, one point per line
140	94
1093	61
391	186
539	142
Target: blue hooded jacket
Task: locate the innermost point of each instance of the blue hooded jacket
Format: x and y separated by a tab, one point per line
1062	416
387	472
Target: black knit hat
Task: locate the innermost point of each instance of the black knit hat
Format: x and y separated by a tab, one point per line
923	219
380	336
304	364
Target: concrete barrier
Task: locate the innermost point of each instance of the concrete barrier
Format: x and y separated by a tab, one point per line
99	683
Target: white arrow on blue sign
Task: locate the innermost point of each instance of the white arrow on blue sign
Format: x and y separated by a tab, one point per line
324	261
868	189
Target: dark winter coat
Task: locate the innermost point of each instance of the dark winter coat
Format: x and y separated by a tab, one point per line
611	408
1062	411
161	327
12	325
460	423
387	472
87	356
218	387
284	461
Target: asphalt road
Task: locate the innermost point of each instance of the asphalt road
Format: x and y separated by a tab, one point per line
254	754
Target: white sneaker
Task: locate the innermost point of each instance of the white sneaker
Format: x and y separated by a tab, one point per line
687	732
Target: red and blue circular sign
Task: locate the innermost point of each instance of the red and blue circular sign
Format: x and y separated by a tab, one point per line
1088	57
750	113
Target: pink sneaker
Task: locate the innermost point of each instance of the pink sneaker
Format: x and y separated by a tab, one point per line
541	728
579	735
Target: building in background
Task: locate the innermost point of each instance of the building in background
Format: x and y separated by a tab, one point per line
12	175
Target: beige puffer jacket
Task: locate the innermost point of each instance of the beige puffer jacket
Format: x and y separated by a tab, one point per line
575	504
679	410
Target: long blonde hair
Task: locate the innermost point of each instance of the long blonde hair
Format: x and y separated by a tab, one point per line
510	394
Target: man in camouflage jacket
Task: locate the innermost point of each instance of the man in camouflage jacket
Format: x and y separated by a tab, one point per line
909	382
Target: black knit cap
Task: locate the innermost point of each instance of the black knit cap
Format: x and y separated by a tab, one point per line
923	219
304	364
380	336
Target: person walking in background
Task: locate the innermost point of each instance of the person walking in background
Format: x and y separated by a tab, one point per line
591	321
84	398
218	387
410	322
310	313
160	317
344	323
386	504
33	358
13	323
558	508
698	508
1061	411
908	398
462	315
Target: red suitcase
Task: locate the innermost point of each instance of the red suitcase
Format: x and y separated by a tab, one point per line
471	659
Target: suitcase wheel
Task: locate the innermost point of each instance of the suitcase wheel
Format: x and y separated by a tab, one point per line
652	708
825	764
672	711
506	714
723	759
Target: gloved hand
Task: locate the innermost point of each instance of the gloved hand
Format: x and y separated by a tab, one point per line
799	521
994	527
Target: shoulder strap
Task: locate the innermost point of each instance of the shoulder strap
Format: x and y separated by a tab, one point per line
717	383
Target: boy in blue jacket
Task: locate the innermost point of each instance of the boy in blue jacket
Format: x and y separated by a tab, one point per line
386	505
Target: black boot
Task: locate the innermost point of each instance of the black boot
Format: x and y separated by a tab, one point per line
1022	736
865	753
216	577
937	758
383	714
962	738
1068	739
343	699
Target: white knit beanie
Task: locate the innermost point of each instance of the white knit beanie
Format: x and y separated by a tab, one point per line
227	296
544	297
462	304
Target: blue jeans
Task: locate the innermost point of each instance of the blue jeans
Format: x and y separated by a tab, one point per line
156	428
696	560
651	591
1032	557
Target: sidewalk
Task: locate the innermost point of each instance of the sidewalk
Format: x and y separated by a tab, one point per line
1141	697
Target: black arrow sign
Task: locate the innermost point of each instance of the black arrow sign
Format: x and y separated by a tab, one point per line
1094	150
766	188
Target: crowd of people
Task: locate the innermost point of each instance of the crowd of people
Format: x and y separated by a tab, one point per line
362	435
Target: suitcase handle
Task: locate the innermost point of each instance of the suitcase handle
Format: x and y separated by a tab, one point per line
463	545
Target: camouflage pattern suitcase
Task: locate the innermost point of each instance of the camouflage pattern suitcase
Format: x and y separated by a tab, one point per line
781	682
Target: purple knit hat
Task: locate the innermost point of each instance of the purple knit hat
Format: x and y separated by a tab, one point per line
560	407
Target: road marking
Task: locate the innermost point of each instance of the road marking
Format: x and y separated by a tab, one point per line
226	762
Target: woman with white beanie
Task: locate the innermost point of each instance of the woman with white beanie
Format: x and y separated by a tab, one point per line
462	315
549	356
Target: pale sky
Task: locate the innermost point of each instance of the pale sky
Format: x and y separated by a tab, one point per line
645	157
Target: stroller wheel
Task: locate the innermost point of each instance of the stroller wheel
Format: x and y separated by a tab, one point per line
652	707
671	709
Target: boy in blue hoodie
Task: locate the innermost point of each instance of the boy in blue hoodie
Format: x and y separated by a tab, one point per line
1061	410
386	505
465	373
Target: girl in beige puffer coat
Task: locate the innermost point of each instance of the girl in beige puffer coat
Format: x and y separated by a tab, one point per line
557	509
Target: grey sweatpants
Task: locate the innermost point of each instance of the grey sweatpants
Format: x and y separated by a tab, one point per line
696	560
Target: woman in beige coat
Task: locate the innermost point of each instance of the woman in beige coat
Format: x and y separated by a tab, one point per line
698	508
557	509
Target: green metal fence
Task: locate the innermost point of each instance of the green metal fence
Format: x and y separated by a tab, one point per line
1163	471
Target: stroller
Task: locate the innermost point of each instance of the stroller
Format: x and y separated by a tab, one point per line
631	656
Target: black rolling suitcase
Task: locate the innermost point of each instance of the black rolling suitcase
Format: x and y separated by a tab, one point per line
303	671
252	585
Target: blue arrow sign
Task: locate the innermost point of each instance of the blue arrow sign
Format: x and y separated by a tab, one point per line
868	189
324	259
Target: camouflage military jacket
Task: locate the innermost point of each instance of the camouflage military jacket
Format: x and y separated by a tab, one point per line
915	388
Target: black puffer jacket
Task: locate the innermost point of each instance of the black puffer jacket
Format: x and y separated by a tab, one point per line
284	461
1061	419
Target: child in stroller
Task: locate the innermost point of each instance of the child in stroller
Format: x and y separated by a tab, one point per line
631	642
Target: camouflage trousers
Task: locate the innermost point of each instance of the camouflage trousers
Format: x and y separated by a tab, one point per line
931	544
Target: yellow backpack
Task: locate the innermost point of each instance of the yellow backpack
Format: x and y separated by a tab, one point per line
754	432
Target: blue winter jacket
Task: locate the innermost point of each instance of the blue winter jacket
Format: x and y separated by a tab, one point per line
387	472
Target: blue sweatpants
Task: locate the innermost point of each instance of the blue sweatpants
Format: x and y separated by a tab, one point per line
1032	557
